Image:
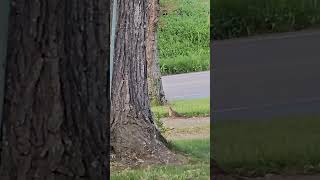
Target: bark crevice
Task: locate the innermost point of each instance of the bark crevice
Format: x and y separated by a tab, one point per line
56	111
134	137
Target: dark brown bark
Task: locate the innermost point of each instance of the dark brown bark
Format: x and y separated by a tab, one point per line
215	169
56	108
155	88
134	137
217	173
4	14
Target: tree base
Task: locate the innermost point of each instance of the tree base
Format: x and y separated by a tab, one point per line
136	141
167	158
218	173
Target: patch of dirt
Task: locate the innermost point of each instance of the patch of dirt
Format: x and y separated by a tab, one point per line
187	128
186	122
188	133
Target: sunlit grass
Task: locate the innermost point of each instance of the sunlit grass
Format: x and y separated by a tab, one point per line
187	108
184	36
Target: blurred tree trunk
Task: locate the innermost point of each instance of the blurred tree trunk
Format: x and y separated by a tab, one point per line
215	169
155	88
4	16
56	110
134	136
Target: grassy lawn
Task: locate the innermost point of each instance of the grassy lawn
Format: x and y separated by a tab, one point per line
185	64
188	108
198	168
184	36
284	145
249	17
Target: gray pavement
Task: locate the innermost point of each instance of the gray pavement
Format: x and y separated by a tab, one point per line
257	77
187	86
266	76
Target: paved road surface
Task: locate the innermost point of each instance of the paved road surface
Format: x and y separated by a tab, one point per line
267	76
187	86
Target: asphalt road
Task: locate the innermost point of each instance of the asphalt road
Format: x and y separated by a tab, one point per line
187	86
266	76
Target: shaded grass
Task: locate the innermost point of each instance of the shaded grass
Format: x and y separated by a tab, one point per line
232	18
187	108
197	148
198	168
284	145
184	36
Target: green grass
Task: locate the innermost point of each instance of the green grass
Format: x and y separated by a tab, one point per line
188	108
231	18
198	168
185	64
275	146
183	36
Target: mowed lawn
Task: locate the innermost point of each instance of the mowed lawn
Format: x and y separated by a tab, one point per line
288	145
184	36
197	168
187	108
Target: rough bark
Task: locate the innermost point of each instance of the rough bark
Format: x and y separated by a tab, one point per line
56	108
155	88
134	137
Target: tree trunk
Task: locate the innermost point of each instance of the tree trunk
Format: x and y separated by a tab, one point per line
56	109
215	169
155	88
4	14
134	137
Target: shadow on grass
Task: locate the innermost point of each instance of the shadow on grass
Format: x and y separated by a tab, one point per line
289	145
